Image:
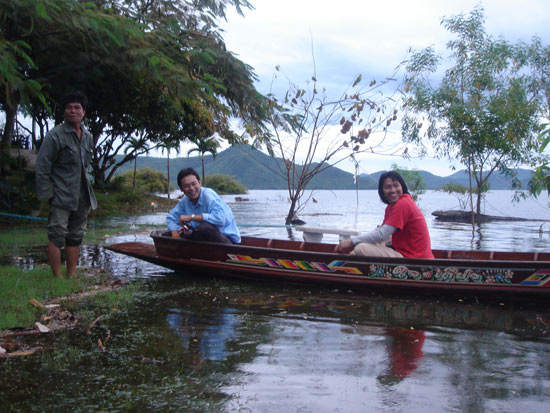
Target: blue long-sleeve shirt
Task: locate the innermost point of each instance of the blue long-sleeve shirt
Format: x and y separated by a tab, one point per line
213	210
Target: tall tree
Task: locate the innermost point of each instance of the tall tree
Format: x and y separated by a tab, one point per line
481	112
31	28
168	146
204	146
156	68
541	178
136	147
537	57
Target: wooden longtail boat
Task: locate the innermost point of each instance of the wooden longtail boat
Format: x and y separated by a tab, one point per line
503	274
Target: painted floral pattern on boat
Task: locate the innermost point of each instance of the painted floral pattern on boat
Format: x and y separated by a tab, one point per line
401	272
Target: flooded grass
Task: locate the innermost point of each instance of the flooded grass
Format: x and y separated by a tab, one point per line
192	344
22	237
18	287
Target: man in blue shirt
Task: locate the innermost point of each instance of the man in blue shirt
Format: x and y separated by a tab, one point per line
204	211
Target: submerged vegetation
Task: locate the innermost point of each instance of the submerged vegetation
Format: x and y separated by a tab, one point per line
26	297
18	288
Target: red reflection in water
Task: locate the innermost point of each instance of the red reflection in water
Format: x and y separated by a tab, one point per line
405	350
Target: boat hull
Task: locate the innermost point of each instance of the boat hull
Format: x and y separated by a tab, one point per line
516	275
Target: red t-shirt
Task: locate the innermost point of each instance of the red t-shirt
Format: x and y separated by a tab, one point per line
412	238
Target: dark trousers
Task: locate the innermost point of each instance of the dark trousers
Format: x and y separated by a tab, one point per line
207	232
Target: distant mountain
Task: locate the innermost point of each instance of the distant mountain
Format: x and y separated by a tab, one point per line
497	180
256	170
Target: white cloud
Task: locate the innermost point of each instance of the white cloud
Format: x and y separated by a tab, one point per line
349	37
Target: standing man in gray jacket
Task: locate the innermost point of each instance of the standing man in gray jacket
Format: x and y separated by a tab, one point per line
62	179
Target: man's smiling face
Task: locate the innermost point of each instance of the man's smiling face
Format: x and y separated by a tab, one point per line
191	187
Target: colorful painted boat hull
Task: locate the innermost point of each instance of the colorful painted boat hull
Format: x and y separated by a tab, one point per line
463	272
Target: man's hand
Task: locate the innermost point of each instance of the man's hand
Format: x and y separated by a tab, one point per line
175	233
184	219
345	245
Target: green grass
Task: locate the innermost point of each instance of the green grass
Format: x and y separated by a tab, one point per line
17	287
22	237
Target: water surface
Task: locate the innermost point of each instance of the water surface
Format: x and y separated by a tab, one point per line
199	344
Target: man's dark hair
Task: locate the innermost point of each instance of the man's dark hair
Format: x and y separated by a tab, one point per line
75	96
187	171
394	176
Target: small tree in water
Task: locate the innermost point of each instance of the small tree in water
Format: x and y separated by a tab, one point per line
483	113
313	131
414	179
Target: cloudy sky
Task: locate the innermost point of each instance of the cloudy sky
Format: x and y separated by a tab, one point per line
351	37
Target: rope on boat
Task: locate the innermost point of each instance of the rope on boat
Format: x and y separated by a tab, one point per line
23	217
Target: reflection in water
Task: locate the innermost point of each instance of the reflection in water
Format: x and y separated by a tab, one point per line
405	351
211	334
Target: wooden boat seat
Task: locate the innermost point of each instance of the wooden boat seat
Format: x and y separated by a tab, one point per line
315	234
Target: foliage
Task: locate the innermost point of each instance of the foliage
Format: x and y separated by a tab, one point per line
310	122
541	178
483	113
35	31
146	180
459	191
204	146
18	194
156	70
17	287
125	202
414	180
224	184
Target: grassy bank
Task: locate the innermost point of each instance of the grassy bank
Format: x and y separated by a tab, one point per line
91	292
13	240
16	232
18	287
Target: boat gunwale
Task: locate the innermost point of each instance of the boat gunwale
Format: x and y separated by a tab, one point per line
460	261
515	290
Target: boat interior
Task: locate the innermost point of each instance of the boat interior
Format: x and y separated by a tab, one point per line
439	254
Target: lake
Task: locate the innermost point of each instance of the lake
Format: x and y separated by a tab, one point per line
265	211
196	344
364	211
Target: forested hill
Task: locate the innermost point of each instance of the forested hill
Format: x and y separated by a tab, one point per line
256	170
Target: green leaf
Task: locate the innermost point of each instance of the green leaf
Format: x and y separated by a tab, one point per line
40	10
154	60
